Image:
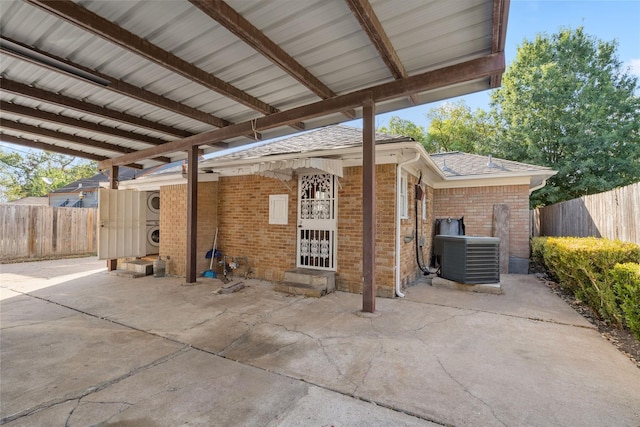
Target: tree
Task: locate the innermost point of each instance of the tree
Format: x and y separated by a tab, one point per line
39	172
454	127
398	126
566	103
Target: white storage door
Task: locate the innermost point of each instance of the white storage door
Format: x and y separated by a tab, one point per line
122	220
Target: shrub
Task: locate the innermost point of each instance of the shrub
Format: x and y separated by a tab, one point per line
626	283
537	250
583	266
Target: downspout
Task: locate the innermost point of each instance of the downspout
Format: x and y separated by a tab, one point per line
537	187
397	260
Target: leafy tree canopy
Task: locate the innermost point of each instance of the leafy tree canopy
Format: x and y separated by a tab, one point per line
398	126
567	103
39	172
454	127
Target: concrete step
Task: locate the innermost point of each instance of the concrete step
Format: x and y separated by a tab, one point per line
301	289
312	277
127	273
145	267
307	282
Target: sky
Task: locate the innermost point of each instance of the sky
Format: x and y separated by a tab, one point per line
606	20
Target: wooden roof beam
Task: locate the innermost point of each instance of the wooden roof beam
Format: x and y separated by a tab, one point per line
372	26
115	85
56	149
237	24
74	139
48	117
455	74
500	16
45	116
111	83
22	89
89	21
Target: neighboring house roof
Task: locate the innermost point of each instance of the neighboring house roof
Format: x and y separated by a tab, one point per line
31	201
88	184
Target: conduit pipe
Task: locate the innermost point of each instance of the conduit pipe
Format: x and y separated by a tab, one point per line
398	207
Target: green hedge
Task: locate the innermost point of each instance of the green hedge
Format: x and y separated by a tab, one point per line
626	279
586	266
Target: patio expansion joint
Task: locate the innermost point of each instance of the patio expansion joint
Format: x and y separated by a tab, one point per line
469	312
78	396
515	316
33	323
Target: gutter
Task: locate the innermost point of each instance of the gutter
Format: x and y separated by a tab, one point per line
397	260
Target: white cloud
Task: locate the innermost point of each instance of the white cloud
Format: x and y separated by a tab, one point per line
634	66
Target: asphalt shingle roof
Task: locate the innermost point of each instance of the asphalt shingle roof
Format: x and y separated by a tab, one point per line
330	137
124	174
462	164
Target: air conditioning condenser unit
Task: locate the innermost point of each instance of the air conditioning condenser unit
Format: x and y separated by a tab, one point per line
468	259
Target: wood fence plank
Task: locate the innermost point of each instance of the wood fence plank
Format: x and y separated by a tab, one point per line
45	231
614	215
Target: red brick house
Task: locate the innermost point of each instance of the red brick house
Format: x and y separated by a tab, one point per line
297	203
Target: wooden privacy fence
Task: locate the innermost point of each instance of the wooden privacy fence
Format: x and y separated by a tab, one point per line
33	232
613	215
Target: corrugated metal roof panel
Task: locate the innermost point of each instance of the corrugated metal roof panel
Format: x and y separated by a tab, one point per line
321	35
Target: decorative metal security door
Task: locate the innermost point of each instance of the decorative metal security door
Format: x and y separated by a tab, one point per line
317	225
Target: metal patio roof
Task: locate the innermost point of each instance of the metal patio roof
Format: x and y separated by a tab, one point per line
148	79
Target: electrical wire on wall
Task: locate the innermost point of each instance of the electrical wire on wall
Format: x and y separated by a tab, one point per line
419	194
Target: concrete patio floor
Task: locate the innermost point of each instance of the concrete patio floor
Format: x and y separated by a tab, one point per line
80	347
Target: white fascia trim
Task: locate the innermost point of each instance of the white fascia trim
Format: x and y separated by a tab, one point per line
466	182
515	178
351	155
154	182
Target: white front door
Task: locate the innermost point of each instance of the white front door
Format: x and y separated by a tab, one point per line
317	221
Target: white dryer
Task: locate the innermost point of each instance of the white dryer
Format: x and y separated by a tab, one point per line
153	238
153	206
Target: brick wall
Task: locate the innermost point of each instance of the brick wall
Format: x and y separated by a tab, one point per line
239	206
476	205
349	277
244	224
409	270
173	225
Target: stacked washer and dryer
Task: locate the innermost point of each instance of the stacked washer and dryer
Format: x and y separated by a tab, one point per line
153	222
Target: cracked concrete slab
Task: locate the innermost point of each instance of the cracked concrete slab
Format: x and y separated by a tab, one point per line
517	372
308	412
56	354
81	347
522	296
